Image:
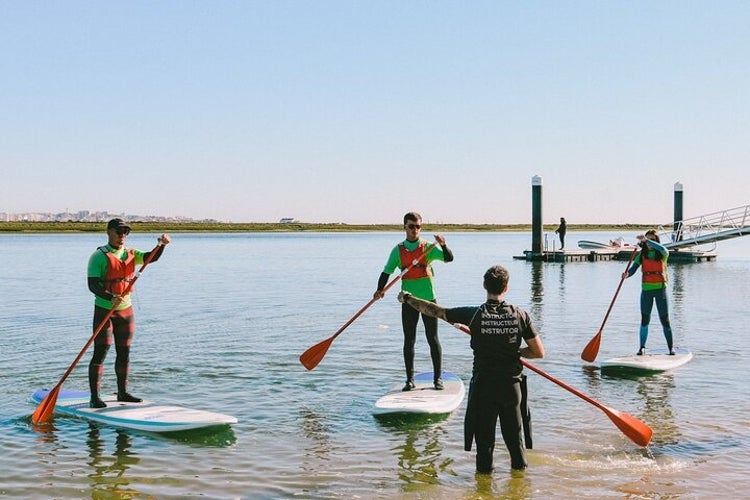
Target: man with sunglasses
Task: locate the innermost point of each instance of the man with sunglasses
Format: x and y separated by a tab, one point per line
417	281
110	269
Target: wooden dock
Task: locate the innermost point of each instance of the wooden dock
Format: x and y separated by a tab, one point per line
604	254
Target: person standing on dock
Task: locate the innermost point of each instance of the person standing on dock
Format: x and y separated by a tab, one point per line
418	282
110	268
497	382
653	262
561	229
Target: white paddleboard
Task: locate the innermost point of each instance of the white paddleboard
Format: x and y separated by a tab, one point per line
424	399
654	360
144	416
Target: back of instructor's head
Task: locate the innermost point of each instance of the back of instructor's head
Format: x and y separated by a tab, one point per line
496	279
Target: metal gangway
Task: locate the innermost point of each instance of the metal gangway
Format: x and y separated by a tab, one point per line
705	229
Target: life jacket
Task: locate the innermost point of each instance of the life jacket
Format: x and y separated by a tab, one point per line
653	270
421	270
119	272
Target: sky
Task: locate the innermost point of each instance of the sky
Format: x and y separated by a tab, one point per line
359	111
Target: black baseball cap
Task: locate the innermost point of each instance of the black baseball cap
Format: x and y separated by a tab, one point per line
117	224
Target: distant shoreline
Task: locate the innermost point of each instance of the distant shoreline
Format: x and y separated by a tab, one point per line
252	227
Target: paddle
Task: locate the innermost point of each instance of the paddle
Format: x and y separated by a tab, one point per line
634	429
592	348
46	408
314	355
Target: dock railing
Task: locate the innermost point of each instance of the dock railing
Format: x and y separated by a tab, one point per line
705	229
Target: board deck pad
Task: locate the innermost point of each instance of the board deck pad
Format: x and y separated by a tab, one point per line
654	360
424	399
144	416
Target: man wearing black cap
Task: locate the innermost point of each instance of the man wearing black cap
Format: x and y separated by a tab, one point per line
111	267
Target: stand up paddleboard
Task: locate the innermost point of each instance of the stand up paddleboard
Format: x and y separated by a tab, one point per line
654	360
424	398
144	416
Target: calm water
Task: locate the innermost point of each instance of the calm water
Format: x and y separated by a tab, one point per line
222	320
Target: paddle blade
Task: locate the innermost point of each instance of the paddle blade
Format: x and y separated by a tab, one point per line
634	429
43	412
592	348
314	355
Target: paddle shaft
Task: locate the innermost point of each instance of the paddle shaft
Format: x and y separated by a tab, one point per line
48	402
385	289
314	355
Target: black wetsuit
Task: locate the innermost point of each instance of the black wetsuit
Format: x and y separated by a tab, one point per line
497	380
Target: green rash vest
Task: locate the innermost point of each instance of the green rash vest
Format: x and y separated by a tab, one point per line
422	287
97	268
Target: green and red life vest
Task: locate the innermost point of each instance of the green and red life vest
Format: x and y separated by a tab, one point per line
119	272
421	270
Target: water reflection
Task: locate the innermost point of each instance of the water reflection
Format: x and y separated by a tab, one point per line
108	474
677	280
517	486
317	431
47	431
419	457
537	288
656	392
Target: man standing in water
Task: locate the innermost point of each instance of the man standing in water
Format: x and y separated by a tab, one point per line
495	392
110	269
418	282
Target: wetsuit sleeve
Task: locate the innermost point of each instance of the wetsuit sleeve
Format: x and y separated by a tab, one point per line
658	247
159	251
462	315
382	280
393	262
96	286
447	253
635	266
97	270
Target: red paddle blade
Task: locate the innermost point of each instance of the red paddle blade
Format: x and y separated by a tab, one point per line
43	412
592	348
634	429
314	355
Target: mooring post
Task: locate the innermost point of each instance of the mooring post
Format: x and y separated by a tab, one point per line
536	215
677	211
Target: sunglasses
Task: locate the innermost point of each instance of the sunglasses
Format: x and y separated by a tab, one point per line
122	231
414	226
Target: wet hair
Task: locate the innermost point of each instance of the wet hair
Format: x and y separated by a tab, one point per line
496	279
412	216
